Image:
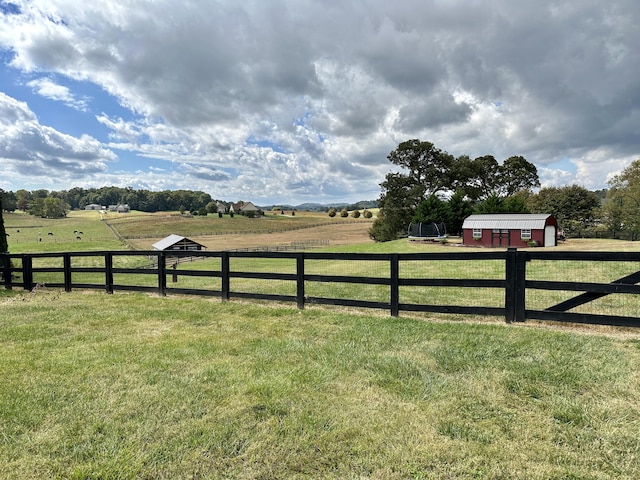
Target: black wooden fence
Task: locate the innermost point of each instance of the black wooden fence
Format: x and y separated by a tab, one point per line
583	287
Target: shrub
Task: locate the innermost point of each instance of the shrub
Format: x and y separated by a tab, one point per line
355	214
344	213
367	214
332	212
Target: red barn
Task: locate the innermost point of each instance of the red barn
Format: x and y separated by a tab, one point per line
510	230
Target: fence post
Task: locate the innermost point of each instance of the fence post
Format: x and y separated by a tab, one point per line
520	293
108	272
225	276
515	272
162	274
510	287
27	273
300	280
66	260
395	284
6	270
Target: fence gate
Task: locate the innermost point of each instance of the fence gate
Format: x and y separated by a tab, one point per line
597	288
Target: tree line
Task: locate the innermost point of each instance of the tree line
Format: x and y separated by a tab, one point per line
430	185
56	204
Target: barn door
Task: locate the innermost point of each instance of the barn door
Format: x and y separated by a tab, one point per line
500	238
549	236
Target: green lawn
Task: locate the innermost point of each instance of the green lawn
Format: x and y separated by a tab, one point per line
79	231
137	386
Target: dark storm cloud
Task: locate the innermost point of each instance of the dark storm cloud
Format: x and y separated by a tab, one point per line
324	88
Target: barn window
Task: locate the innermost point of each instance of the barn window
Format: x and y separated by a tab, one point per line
477	233
525	234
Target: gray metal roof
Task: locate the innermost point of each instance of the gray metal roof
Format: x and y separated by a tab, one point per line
167	242
505	221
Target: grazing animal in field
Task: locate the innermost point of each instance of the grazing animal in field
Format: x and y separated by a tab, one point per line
50	234
75	232
78	238
80	233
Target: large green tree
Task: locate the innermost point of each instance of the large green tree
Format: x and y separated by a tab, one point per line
574	206
517	174
484	176
479	178
428	167
621	209
397	205
50	207
459	209
498	204
616	213
426	170
432	210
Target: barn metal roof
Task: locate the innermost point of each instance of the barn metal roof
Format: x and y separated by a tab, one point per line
170	241
505	221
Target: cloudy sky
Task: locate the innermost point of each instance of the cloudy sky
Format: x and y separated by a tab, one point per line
288	101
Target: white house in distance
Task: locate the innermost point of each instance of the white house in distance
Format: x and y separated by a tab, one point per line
94	206
120	208
243	208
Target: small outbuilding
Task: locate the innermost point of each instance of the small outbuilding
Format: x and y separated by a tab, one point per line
510	230
177	242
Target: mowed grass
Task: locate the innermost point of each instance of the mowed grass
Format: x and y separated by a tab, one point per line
136	386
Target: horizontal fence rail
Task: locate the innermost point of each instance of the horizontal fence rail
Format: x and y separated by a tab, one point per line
582	287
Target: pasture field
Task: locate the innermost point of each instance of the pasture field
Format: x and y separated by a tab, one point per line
137	386
159	225
79	231
26	235
29	234
141	230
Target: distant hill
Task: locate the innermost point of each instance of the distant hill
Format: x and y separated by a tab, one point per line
319	207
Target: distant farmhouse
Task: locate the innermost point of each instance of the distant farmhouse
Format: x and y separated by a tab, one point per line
177	242
94	206
240	208
120	208
244	208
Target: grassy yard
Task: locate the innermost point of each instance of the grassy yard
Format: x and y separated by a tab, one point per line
136	386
